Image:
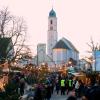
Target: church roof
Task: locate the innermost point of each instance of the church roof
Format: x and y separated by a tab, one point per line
66	44
61	44
70	45
52	13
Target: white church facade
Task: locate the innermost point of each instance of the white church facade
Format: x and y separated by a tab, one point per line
63	51
60	51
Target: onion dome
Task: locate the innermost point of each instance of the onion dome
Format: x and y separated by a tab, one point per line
52	13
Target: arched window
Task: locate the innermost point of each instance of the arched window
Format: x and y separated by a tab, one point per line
51	22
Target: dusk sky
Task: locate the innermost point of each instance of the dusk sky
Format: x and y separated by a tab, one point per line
78	20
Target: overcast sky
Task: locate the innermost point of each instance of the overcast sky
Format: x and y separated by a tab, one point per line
78	20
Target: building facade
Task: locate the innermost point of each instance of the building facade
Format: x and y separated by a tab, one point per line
41	53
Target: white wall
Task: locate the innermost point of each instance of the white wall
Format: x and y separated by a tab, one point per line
59	56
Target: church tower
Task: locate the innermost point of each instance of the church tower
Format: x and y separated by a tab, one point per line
52	33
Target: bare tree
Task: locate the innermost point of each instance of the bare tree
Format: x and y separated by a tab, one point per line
93	46
5	18
15	29
26	53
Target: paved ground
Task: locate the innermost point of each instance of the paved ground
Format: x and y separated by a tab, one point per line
54	96
58	97
61	97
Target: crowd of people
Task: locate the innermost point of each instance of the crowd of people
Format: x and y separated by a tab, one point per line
71	87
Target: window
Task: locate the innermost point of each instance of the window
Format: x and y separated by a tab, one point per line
51	28
51	22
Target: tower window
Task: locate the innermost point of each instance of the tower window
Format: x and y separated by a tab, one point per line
51	22
51	28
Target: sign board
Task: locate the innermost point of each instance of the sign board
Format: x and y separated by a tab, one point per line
96	63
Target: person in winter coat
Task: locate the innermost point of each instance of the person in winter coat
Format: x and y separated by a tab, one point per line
57	86
38	93
22	86
62	86
48	92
